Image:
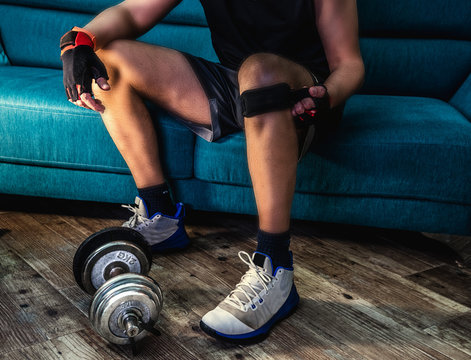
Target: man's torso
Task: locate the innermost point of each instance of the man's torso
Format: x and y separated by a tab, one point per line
240	28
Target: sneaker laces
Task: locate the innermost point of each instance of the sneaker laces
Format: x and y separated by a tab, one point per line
252	283
136	218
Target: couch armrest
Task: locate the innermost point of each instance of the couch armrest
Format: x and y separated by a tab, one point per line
462	98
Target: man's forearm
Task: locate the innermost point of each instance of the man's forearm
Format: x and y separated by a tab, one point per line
344	81
111	24
128	20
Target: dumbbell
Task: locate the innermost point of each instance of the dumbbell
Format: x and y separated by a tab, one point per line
112	265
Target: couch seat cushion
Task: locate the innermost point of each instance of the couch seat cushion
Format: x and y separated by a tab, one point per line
40	127
388	146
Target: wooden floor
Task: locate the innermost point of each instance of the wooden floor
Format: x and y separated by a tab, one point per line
365	293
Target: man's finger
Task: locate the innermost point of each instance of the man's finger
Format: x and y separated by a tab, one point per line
317	91
81	104
308	103
91	103
299	108
98	101
73	93
103	84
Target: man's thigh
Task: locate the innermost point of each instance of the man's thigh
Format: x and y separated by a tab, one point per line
159	74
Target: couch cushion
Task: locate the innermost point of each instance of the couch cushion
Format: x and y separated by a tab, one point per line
418	19
389	146
40	127
415	67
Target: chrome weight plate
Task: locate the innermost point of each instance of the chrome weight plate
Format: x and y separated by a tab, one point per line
124	307
109	253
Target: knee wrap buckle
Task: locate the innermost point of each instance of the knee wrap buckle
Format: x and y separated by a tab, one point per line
277	97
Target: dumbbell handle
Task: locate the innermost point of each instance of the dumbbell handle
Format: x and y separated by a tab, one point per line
131	325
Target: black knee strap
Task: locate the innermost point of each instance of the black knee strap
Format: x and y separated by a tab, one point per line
277	97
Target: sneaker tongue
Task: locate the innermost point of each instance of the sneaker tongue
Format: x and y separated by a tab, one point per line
263	261
141	207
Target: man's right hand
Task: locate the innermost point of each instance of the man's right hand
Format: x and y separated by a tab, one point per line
80	66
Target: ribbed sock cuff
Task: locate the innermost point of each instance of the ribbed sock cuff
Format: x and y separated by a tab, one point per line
276	246
157	199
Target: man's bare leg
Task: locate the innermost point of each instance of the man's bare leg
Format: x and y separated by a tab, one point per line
266	293
272	143
164	76
140	71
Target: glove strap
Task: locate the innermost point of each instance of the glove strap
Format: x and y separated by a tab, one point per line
76	37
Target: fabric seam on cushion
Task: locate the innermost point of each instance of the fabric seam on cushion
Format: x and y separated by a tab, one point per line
60	164
55	111
70	166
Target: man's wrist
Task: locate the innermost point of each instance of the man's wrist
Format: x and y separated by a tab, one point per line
88	33
77	37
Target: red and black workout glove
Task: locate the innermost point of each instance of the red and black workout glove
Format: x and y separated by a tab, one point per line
80	63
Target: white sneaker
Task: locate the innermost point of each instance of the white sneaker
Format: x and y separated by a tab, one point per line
162	232
261	299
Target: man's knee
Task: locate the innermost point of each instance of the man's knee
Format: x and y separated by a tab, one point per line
117	57
262	69
267	81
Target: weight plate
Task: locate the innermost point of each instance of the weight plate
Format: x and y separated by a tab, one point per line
115	249
123	297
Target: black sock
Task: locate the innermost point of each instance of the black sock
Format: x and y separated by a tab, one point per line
157	199
276	246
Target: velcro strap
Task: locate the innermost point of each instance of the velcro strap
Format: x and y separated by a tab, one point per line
83	39
89	34
277	97
76	37
266	99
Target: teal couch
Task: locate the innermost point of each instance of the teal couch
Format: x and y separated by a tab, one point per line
401	158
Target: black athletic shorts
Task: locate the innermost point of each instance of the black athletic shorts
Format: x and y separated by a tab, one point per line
222	89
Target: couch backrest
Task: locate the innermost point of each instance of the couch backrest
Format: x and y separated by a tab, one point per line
415	47
410	47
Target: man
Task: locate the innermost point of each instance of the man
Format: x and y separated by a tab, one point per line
269	50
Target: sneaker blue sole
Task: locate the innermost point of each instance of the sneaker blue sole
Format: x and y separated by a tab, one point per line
178	241
260	334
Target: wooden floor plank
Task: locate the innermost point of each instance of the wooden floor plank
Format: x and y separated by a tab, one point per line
45	251
352	319
372	251
398	245
393	293
456	332
16	328
39	301
34	310
451	282
76	346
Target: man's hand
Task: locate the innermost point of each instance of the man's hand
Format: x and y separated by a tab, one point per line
307	104
80	66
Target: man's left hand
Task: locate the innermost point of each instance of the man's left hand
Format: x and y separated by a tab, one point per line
307	104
